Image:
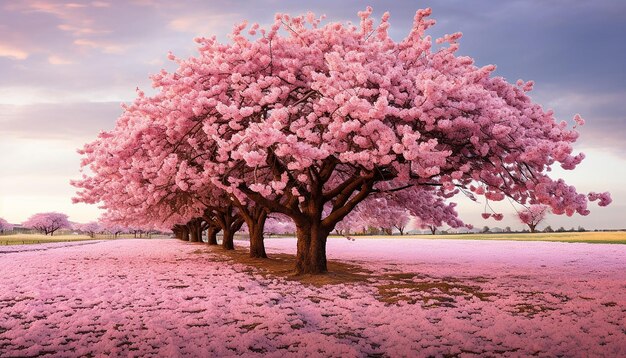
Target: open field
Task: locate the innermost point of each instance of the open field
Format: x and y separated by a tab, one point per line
383	298
25	239
613	237
29	239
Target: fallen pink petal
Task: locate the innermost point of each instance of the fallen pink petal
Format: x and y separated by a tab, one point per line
436	297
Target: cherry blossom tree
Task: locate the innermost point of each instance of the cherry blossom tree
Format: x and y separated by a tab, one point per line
280	225
5	226
332	111
114	229
91	228
533	215
48	223
390	209
427	209
431	227
377	212
320	118
228	220
401	221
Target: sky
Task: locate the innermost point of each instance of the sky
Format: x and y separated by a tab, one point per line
65	68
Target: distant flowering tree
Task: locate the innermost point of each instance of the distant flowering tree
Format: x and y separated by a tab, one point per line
310	121
533	215
395	209
5	226
429	211
279	224
91	228
48	223
114	229
431	227
401	221
375	212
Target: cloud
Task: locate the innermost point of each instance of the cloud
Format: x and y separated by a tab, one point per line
203	24
81	31
57	60
13	52
105	47
100	4
603	111
46	7
578	45
73	121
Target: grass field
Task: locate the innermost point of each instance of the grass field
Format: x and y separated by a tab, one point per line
614	237
24	239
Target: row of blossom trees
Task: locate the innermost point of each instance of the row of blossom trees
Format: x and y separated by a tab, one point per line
325	125
50	222
374	213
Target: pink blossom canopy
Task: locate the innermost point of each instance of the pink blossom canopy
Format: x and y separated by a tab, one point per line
320	115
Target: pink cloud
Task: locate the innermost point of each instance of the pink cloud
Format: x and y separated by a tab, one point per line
81	30
13	52
204	24
58	60
105	47
100	4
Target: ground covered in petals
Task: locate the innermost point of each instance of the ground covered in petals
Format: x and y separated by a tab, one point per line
384	298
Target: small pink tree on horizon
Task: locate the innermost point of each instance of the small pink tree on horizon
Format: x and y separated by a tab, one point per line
377	213
5	226
48	223
91	228
279	224
114	229
533	215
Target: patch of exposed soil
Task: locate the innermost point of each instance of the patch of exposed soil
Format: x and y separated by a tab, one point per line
282	265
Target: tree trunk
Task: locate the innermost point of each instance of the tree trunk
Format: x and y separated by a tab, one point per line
193	237
228	238
255	219
195	228
178	232
229	221
185	233
212	235
311	254
532	228
257	246
433	230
